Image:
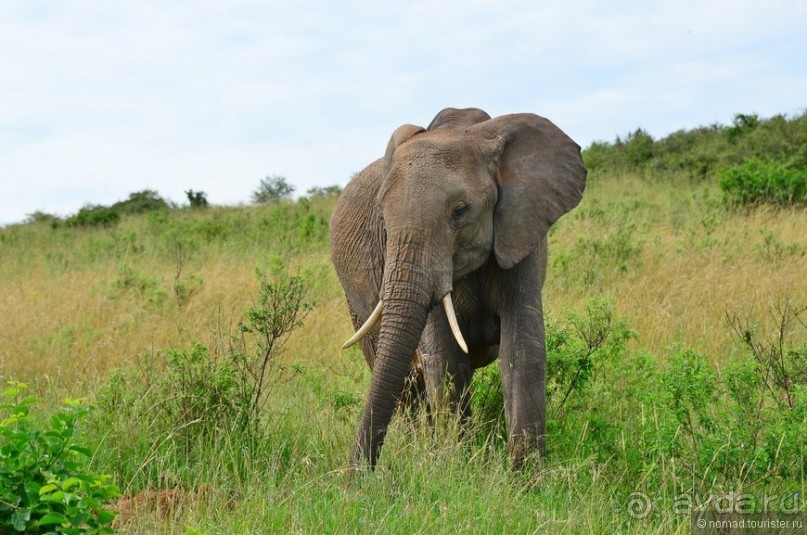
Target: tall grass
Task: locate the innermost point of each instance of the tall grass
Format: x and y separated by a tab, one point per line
671	259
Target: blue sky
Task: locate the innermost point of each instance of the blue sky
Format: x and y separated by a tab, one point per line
100	99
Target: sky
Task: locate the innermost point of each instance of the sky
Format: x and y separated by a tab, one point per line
99	99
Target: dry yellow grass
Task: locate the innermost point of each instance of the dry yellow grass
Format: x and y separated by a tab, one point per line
698	263
70	327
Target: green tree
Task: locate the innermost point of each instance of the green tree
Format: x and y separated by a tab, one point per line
272	189
639	147
197	199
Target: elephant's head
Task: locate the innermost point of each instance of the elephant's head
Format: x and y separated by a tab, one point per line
467	189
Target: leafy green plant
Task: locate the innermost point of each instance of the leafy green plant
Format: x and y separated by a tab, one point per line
140	202
742	125
43	217
143	286
279	310
93	216
638	147
768	387
45	485
756	182
577	346
186	404
690	394
702	152
613	249
196	199
185	287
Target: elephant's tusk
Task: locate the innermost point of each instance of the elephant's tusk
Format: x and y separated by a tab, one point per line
448	304
365	329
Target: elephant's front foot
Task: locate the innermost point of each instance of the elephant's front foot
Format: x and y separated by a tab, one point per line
527	449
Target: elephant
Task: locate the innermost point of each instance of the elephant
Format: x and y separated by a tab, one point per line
455	214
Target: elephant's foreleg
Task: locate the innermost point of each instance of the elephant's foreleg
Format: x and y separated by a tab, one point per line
522	360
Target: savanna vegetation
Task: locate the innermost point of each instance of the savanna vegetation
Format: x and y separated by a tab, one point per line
199	354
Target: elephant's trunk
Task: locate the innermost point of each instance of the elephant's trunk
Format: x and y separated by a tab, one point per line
408	295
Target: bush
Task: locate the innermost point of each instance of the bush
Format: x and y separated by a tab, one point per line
141	202
677	425
756	182
170	413
94	216
701	152
197	199
45	486
639	147
43	217
743	124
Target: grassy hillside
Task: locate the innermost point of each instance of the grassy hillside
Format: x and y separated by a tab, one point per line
677	368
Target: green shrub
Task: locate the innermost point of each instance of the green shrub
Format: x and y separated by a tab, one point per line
182	405
756	182
141	202
140	285
702	152
743	124
638	147
93	216
45	486
196	199
675	428
43	217
601	156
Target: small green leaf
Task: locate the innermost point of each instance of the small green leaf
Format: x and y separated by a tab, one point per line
50	487
20	518
105	516
51	519
58	497
70	482
11	392
8	422
32	488
82	450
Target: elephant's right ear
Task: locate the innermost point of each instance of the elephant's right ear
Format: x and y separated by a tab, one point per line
403	133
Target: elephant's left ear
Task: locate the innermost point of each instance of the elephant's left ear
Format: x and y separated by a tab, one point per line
540	174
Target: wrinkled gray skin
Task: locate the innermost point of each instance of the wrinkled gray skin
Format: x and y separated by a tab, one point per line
463	206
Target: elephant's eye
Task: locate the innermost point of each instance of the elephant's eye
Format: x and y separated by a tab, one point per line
459	213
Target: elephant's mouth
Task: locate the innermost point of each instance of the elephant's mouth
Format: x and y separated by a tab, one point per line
375	317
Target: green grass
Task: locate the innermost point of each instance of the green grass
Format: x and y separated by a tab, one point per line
672	402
